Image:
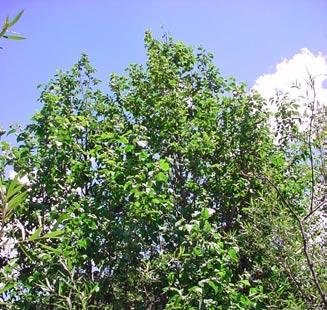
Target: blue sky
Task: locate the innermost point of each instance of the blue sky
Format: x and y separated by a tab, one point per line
248	38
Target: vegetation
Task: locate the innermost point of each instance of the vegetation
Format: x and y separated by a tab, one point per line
170	192
5	30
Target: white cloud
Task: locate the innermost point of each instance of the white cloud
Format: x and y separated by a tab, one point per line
296	70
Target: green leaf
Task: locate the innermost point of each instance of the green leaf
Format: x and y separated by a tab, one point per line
213	285
16	19
35	235
161	177
14	37
61	219
61	288
129	148
27	252
123	140
48	248
164	165
253	291
197	290
82	243
13	188
207	213
6	288
11	131
245	282
174	289
5	26
17	200
197	251
245	301
53	234
232	254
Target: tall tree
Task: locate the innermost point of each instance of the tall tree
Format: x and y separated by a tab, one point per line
172	191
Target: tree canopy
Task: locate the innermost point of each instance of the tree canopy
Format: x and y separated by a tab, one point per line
171	191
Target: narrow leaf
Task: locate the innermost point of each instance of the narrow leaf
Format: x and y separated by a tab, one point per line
14	37
35	235
16	19
27	252
17	200
53	234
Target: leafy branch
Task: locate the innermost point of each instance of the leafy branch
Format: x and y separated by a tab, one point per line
5	31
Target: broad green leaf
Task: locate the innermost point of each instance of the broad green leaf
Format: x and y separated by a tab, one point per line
232	254
197	251
123	140
161	177
253	291
164	165
207	213
245	282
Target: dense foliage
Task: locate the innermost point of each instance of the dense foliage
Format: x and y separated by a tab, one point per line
173	192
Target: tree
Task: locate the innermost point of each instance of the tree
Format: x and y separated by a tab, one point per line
172	191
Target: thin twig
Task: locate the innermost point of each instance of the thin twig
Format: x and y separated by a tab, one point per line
312	108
